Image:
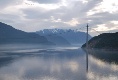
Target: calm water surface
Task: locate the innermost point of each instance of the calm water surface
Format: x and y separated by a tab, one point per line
33	62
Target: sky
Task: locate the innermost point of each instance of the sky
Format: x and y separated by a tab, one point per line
34	15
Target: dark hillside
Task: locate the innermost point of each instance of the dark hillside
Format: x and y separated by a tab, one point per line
8	34
104	41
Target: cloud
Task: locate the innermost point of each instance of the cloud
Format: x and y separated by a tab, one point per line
91	5
6	3
32	15
46	1
103	22
105	27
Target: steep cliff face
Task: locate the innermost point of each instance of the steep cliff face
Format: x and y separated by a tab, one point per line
8	34
104	41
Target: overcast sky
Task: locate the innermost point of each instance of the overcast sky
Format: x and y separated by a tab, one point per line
34	15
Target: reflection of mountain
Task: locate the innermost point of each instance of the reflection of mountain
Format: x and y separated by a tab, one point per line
104	41
107	56
5	60
62	63
99	69
72	36
8	34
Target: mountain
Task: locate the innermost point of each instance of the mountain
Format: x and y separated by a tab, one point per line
51	36
104	41
72	36
57	40
8	34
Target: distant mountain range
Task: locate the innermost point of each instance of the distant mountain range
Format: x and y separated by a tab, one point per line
68	35
104	41
8	35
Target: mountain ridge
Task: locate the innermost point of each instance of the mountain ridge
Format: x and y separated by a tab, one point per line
8	34
104	41
72	36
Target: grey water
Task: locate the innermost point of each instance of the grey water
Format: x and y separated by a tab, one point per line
34	62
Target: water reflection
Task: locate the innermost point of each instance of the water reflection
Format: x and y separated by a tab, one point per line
106	56
33	62
103	65
43	64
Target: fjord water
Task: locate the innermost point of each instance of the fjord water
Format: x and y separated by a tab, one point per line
34	62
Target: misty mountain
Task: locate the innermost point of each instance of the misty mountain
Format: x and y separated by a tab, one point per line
8	34
72	36
57	39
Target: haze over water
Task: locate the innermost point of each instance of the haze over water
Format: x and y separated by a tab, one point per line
34	62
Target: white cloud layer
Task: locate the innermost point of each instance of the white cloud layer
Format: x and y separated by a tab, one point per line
33	15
